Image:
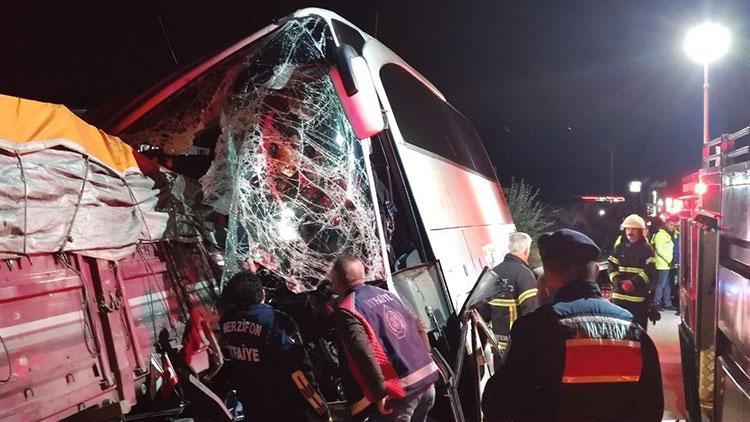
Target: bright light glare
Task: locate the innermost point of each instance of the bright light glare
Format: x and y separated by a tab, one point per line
340	141
707	42
635	186
700	188
602	213
286	226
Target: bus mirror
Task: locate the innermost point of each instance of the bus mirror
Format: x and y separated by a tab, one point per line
354	86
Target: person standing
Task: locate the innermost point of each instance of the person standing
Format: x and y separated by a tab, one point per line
580	357
675	277
515	291
664	245
631	270
385	348
269	366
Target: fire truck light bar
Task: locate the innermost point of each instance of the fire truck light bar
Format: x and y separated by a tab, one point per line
610	199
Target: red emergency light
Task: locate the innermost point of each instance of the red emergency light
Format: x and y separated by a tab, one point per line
610	199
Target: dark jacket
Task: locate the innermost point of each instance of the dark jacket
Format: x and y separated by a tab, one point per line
384	346
634	262
269	365
579	358
514	295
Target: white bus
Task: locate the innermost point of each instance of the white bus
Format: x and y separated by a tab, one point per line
314	139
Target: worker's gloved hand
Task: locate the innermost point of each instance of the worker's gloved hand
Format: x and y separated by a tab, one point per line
653	313
627	285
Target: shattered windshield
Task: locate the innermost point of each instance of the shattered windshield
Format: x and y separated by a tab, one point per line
287	169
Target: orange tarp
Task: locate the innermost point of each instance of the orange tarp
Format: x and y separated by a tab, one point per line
24	121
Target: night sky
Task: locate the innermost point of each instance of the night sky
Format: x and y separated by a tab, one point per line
551	86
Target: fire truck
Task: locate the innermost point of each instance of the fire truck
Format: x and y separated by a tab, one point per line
714	280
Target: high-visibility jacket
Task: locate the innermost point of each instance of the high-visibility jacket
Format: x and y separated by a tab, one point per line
663	243
514	294
383	347
634	262
579	358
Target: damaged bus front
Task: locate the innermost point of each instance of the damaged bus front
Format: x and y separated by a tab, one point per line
310	139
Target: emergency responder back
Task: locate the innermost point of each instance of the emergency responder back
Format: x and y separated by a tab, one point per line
582	359
269	366
579	358
513	295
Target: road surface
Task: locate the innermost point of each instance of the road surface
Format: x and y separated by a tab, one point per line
664	334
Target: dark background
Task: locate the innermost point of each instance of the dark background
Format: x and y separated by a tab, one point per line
551	86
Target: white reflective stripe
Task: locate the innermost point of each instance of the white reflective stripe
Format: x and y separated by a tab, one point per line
151	297
419	374
51	336
38	324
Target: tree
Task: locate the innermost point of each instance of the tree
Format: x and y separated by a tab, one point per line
529	213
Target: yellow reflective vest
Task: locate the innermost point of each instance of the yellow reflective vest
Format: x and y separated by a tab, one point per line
663	244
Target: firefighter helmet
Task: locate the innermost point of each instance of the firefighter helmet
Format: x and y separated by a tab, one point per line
633	221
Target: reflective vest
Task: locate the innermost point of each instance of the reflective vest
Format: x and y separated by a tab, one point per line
400	352
663	244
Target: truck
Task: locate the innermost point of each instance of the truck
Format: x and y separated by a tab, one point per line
309	138
100	278
714	279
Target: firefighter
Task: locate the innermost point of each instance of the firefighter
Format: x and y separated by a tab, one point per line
269	366
385	348
578	358
515	290
631	270
663	243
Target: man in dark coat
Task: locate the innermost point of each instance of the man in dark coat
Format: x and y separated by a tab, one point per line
269	366
514	293
632	272
580	357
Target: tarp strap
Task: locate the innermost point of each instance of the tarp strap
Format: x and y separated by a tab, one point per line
25	201
138	206
67	238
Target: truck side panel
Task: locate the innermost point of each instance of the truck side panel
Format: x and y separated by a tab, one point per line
50	350
82	334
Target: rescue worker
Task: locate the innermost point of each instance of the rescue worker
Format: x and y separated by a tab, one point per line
580	357
663	243
631	270
385	348
269	366
515	290
676	271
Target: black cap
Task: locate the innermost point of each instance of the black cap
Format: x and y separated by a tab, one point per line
569	245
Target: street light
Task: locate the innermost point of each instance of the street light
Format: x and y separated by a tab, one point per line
705	43
635	186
